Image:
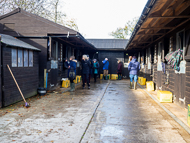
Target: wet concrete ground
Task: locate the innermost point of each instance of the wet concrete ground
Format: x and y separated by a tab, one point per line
122	115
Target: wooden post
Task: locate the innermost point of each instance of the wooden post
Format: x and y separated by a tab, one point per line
50	46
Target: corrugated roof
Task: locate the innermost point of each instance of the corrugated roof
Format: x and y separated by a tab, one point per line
109	44
11	41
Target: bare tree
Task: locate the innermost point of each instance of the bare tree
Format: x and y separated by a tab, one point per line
49	9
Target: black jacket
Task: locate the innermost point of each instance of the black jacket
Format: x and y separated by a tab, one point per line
85	67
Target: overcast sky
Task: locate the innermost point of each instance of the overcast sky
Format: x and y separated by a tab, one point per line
97	18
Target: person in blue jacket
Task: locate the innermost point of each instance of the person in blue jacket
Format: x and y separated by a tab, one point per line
133	67
71	65
105	68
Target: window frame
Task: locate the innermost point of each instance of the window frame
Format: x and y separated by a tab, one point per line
29	58
23	55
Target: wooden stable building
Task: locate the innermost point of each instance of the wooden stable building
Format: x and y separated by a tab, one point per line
163	27
23	60
56	42
114	50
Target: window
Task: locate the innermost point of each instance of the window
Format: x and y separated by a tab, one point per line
25	58
14	57
30	58
20	58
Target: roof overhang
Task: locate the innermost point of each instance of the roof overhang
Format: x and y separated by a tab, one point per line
159	18
11	41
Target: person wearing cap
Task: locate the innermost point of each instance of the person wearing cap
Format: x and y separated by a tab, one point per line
105	68
134	67
95	69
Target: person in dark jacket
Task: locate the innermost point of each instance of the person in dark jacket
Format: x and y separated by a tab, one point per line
95	69
133	67
90	68
85	70
71	65
119	69
105	68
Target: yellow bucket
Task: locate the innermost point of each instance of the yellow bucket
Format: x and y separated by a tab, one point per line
164	96
101	76
114	76
78	78
150	85
65	84
75	81
188	115
143	81
139	79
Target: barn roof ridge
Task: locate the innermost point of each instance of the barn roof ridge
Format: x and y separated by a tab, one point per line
20	10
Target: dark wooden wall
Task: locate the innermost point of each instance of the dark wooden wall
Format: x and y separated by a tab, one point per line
113	57
27	78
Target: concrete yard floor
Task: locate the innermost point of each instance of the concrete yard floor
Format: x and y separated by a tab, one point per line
108	112
131	116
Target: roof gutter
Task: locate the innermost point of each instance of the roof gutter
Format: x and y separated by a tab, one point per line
141	20
59	36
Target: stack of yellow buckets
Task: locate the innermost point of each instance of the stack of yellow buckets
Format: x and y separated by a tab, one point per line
66	82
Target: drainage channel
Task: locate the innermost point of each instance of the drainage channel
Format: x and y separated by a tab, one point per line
168	111
94	112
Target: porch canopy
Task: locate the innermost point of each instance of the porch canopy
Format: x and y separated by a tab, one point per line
159	18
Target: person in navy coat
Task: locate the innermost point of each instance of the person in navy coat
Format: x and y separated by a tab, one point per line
71	65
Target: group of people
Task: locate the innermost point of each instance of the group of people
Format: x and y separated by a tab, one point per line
88	66
92	66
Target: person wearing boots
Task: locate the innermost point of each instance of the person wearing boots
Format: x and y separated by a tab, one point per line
95	69
119	69
134	67
85	70
71	65
105	68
